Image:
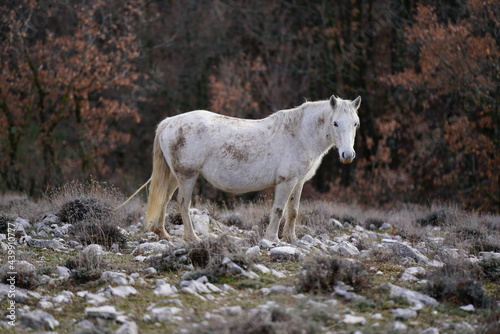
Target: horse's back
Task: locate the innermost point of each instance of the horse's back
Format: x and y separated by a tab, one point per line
231	153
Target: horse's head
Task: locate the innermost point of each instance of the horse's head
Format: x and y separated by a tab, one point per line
345	124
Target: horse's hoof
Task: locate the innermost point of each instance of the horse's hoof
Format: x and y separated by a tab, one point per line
192	238
292	240
163	235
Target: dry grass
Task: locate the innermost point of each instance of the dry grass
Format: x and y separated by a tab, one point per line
320	274
455	284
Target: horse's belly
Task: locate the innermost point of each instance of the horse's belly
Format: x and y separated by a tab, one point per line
239	181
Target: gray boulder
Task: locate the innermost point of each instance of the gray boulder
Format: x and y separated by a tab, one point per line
39	320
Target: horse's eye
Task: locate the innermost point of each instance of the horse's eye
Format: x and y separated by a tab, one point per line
335	124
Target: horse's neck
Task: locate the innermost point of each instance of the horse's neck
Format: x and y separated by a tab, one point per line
316	127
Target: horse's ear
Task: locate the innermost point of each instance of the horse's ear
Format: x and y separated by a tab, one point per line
357	102
333	101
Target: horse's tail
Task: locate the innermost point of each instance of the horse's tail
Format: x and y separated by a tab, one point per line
158	190
134	194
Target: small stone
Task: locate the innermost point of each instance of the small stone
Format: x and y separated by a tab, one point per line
345	248
354	320
121	291
385	226
277	273
105	312
266	244
64	297
165	290
430	330
404	250
404	313
284	253
489	255
347	295
95	299
128	327
398	326
115	277
45	304
231	310
39	320
253	251
62	272
150	271
164	313
468	308
150	247
261	268
415	271
24	222
43	243
419	300
408	278
201	221
307	238
336	223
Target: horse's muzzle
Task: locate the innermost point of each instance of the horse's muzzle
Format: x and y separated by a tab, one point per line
347	157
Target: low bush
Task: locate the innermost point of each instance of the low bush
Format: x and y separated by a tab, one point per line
92	209
491	268
436	218
456	281
5	220
275	320
86	266
98	232
205	257
321	273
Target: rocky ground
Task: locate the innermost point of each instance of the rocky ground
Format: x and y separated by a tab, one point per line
349	273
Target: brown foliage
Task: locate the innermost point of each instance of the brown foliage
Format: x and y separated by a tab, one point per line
64	69
455	80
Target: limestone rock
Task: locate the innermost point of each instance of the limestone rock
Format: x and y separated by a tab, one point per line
39	320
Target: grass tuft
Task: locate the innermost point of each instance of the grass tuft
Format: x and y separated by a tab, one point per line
321	273
86	266
456	282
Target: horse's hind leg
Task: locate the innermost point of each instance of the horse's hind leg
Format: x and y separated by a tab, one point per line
292	210
159	227
184	198
281	195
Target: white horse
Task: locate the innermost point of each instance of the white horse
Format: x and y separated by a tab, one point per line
238	155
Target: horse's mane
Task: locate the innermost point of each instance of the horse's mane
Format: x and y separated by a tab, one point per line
291	118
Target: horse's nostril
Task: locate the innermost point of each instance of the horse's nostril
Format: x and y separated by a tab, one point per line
343	155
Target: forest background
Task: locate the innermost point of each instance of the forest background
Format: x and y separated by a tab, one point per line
83	84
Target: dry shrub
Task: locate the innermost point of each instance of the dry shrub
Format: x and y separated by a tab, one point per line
437	218
475	232
6	220
98	232
491	269
26	274
92	210
206	256
86	266
383	255
456	281
276	320
321	273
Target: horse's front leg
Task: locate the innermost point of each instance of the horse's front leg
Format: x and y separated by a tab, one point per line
281	195
292	210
